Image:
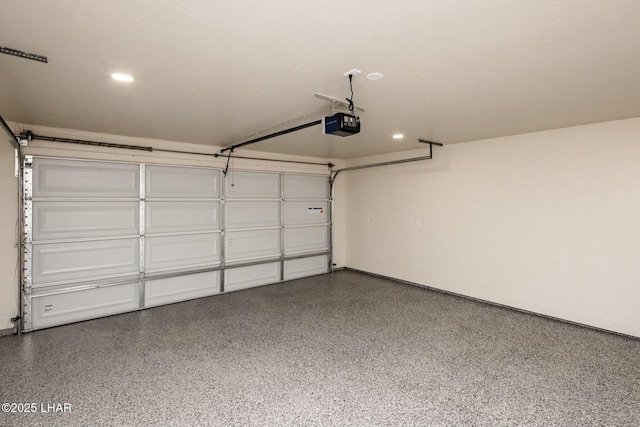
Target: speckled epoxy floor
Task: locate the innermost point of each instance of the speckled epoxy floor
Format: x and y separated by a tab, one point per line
341	349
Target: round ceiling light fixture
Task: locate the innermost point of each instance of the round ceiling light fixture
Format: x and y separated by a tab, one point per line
121	77
375	76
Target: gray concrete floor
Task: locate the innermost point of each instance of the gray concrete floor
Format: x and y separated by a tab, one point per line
342	349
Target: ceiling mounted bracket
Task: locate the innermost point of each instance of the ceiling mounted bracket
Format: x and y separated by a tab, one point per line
431	144
25	55
336	101
391	162
424	141
355	72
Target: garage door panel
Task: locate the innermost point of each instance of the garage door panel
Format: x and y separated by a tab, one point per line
304	267
182	288
59	309
252	185
181	182
181	251
251	276
85	179
306	213
69	220
248	214
306	239
84	260
255	244
85	217
175	216
306	186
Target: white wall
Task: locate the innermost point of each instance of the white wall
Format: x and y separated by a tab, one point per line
8	185
547	222
8	237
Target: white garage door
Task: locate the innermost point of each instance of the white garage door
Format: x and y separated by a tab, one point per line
306	225
104	238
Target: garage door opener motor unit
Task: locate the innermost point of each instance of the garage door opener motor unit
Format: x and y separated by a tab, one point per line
341	124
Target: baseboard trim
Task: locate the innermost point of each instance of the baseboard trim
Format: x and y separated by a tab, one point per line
508	307
8	331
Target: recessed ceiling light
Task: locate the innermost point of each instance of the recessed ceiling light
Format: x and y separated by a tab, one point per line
398	136
375	76
121	77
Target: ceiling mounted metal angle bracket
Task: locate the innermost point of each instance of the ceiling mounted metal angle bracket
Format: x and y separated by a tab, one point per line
424	141
431	144
337	101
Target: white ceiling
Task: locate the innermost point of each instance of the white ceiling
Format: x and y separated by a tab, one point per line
213	72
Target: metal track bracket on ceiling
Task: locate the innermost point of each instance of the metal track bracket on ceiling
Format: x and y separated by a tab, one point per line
336	101
391	162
